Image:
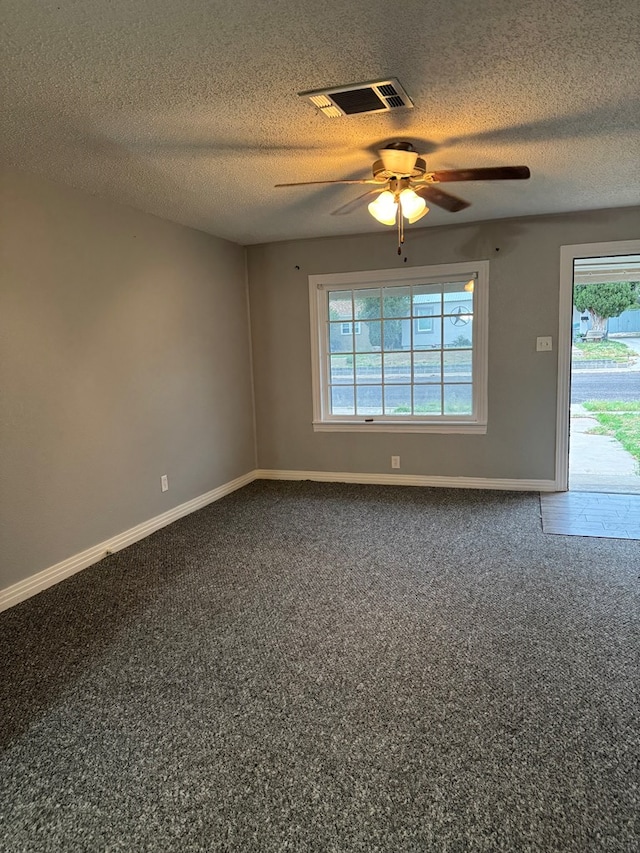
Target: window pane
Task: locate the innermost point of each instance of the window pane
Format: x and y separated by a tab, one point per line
368	368
426	366
397	367
458	331
340	307
424	323
429	296
397	400
367	304
369	337
457	366
459	307
397	334
337	341
423	326
428	340
427	400
396	301
341	367
454	291
426	329
369	399
457	400
342	400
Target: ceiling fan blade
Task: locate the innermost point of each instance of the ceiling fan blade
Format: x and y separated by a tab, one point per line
352	205
449	202
310	183
492	173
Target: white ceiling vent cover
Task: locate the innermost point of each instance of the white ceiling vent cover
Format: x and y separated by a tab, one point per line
360	98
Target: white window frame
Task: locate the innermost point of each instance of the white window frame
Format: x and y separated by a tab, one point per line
324	421
355	327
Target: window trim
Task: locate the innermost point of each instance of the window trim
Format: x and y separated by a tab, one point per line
318	314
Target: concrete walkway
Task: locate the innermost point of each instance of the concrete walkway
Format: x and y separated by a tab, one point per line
632	342
598	463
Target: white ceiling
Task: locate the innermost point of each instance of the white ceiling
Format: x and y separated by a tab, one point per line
189	108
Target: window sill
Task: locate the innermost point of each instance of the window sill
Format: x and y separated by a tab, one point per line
443	427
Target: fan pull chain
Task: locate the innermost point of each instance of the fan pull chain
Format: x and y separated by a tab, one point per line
400	227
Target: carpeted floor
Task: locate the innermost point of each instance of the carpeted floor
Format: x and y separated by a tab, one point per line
330	668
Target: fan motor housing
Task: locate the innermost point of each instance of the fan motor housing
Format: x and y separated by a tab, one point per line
382	173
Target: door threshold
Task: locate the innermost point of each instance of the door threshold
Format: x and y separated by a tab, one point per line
598	514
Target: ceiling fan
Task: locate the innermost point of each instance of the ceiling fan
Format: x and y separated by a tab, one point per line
403	186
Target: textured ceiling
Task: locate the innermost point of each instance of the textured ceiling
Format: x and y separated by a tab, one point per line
189	109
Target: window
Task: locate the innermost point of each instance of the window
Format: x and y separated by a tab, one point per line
424	322
401	350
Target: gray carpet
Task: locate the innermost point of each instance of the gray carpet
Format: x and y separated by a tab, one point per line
330	668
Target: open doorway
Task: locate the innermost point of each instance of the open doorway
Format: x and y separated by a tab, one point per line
600	503
604	414
568	256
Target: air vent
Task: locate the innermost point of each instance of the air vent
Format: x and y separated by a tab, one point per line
360	98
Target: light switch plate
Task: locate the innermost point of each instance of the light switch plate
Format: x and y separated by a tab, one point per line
544	344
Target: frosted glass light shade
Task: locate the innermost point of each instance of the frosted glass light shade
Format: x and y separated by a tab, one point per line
413	207
384	208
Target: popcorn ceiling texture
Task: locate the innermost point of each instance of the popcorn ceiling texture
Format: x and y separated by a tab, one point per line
190	110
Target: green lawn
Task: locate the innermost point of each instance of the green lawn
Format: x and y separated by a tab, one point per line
605	349
612	406
619	419
425	358
457	407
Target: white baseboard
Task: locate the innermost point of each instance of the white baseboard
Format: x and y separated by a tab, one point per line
411	480
54	574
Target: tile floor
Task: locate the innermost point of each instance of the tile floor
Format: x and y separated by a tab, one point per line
611	516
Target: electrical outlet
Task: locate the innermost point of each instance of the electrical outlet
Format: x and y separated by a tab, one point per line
544	344
395	461
164	483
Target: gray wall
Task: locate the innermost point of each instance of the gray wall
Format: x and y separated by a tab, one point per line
523	303
124	355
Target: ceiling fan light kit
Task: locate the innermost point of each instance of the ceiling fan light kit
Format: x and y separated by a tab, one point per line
413	207
403	186
398	198
384	208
